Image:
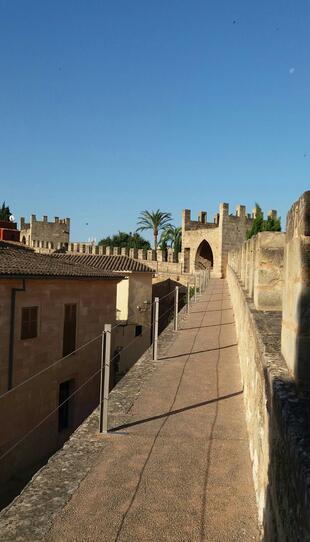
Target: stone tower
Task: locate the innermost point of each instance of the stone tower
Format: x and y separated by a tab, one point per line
45	236
208	243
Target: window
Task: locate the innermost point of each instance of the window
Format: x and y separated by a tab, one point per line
65	405
29	326
69	335
138	331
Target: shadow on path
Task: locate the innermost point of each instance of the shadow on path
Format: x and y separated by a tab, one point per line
211	325
177	411
200	351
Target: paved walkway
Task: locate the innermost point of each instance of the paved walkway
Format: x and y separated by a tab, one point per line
180	471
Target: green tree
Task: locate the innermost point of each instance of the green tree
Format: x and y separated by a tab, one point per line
125	240
172	236
5	212
259	224
155	221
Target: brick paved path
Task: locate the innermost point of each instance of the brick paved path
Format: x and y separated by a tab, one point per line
180	471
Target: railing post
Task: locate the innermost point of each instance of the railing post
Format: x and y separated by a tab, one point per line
156	318
101	382
176	308
107	361
188	296
195	293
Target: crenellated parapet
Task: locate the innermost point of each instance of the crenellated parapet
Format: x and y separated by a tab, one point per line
274	269
202	223
150	255
44	235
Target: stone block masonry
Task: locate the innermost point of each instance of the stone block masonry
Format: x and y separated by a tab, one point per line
295	342
45	236
274	269
278	420
208	243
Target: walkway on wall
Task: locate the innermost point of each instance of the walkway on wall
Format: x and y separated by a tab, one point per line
180	469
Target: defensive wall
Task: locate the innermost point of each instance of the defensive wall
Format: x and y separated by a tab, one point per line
166	264
269	281
43	235
208	243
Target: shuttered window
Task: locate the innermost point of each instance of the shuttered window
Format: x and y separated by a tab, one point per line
29	327
69	333
65	405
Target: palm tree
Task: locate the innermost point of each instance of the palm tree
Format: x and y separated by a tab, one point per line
154	220
172	234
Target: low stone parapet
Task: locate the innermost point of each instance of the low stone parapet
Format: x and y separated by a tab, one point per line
278	420
296	308
259	263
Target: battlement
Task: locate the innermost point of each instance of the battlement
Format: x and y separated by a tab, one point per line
240	214
223	214
45	235
137	254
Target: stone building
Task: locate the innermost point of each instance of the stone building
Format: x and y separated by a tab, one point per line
207	244
49	308
133	306
45	236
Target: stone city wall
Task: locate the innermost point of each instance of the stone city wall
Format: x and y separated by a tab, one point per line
45	236
259	263
269	281
295	341
278	422
162	261
274	269
226	232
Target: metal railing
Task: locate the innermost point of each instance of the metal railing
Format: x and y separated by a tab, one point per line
193	290
201	279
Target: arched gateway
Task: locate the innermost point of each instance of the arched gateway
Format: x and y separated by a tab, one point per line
204	256
204	241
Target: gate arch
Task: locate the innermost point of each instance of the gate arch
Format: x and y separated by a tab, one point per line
204	256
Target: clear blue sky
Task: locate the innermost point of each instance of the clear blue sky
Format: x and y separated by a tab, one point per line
109	108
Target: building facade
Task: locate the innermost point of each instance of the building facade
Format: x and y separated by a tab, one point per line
44	236
133	306
49	308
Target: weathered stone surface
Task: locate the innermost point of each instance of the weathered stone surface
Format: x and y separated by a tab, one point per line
278	419
295	341
226	233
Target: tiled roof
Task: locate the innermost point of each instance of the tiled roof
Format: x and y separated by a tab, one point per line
110	263
17	245
16	261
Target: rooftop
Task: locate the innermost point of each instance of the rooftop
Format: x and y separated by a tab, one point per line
108	263
16	260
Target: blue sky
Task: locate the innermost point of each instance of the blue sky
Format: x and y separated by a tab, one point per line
109	108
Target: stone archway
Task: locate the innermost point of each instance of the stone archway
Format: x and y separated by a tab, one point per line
204	256
24	240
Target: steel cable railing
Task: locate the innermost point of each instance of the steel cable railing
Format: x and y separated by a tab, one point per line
63	402
105	363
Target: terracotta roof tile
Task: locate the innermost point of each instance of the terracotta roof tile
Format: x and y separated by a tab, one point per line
109	263
16	261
